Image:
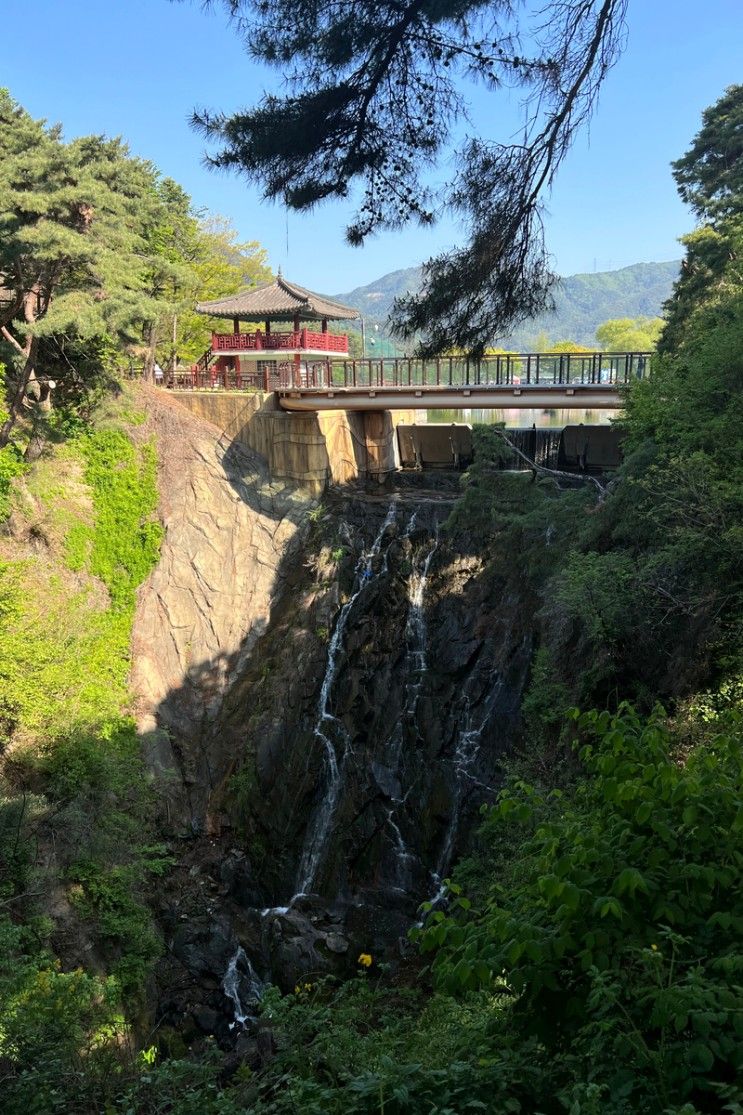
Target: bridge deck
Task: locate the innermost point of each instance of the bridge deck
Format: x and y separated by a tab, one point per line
602	396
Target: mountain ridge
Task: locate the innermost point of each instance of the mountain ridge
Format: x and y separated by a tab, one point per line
582	301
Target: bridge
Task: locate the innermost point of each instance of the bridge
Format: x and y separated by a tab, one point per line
552	380
330	419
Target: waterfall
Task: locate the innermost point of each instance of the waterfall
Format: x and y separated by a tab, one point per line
327	724
416	635
231	986
541	444
404	859
466	751
414	672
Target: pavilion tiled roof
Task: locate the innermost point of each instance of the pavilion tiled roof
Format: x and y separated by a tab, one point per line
278	301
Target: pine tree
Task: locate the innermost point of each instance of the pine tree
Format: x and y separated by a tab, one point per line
709	178
375	91
72	217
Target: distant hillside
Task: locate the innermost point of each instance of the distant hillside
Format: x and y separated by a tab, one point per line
582	301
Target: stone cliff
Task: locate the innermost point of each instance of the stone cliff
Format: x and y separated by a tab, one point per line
326	692
228	528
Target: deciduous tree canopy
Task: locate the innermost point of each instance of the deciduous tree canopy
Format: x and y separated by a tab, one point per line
374	92
629	334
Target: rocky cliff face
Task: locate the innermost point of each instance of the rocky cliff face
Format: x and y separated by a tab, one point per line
329	693
228	530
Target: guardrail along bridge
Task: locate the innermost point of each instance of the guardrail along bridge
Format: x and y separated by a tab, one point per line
509	380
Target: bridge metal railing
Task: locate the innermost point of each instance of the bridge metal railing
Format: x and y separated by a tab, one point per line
501	370
542	369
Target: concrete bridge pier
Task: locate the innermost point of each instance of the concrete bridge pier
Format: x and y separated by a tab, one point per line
380	442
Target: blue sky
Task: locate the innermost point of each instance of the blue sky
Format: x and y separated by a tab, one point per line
137	68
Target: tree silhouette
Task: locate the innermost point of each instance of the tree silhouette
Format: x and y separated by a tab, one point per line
374	94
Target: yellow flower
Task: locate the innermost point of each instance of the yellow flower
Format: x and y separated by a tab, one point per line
365	960
654	948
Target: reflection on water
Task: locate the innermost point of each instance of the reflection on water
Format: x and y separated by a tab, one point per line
519	417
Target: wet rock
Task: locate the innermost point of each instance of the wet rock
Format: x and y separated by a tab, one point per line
206	1019
417	731
386	779
204	947
337	944
239	881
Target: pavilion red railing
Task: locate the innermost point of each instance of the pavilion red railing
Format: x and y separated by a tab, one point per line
262	342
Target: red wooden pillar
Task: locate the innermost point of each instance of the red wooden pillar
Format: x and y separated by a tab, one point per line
297	370
236	358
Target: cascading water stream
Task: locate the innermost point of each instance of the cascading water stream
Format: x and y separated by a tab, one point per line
416	633
231	987
466	751
328	725
416	637
414	671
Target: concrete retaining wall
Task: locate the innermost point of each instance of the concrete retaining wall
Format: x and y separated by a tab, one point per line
313	449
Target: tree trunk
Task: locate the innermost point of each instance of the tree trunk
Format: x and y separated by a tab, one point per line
149	360
174	349
29	352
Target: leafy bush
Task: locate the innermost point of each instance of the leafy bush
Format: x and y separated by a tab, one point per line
11	465
76	807
617	929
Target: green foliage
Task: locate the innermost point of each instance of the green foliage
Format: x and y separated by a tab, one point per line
124	544
75	803
72	222
11	465
710	175
638	334
617	930
122	922
545	702
568	346
102	260
220	264
61	1040
362	1048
